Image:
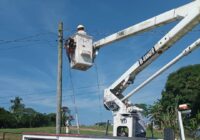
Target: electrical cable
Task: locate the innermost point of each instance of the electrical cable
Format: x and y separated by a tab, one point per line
67	90
160	32
54	90
98	93
74	99
3	42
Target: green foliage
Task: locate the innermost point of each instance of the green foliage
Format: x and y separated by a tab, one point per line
6	119
195	122
145	109
16	106
22	117
182	86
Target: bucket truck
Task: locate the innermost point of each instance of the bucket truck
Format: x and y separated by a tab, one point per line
189	17
81	51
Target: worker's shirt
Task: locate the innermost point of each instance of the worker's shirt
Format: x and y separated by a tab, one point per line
81	32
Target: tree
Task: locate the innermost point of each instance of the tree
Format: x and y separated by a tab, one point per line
29	117
20	116
17	109
52	119
16	106
155	113
182	86
6	119
145	107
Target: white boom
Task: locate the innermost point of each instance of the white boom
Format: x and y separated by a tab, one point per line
121	107
190	14
114	100
162	19
185	52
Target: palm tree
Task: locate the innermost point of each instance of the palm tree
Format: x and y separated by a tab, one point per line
16	106
156	113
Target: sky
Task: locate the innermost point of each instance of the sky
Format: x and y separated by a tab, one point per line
28	52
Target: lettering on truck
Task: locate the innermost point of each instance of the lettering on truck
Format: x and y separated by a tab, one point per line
147	56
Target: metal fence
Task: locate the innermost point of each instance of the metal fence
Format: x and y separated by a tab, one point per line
10	136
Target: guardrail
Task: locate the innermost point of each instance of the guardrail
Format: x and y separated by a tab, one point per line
10	136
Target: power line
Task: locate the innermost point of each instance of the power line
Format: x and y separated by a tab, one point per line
25	38
98	93
93	93
93	32
32	40
76	90
74	100
28	38
43	98
3	42
54	90
17	47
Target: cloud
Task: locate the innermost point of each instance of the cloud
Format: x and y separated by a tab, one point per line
86	103
25	81
43	100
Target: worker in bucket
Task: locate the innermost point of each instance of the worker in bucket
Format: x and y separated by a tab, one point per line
70	44
81	30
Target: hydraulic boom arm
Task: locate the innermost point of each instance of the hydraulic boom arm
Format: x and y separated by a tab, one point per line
81	52
185	52
190	15
162	19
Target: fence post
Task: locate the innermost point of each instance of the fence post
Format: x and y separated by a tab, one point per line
4	135
169	134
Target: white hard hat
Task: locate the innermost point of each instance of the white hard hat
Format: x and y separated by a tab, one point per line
80	27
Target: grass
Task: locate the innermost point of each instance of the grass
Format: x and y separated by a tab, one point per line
157	134
84	130
11	133
15	134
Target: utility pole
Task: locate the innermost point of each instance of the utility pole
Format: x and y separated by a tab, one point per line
59	79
